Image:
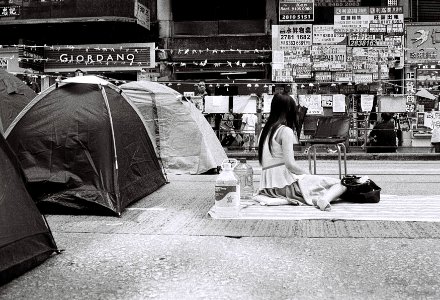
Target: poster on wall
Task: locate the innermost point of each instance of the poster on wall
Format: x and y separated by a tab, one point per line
267	102
296	10
394	104
327	100
244	104
339	103
216	104
432	119
367	102
326	35
312	102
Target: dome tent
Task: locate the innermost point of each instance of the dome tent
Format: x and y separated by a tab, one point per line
185	141
25	238
83	146
14	96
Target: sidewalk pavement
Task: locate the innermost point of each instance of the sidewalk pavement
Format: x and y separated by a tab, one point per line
166	247
399	156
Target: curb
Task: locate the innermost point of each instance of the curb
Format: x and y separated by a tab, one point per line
350	156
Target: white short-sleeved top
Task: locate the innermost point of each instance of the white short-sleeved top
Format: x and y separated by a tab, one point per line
274	171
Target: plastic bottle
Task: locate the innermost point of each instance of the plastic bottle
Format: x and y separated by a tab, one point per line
245	175
227	192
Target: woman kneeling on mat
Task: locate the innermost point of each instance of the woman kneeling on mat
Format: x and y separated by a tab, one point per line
282	180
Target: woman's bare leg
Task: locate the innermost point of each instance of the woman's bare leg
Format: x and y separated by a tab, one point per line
330	196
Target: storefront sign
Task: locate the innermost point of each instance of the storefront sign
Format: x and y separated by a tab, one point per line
325	34
389	17
9	11
30	57
351	19
422	43
296	10
345	3
107	57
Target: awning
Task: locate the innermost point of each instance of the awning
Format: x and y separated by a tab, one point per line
425	94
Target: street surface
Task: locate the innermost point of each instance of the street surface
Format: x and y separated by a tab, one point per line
166	247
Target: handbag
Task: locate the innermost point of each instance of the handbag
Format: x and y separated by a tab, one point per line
360	190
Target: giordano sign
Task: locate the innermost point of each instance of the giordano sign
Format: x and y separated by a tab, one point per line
103	57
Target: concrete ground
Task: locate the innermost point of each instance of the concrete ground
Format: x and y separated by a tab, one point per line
166	247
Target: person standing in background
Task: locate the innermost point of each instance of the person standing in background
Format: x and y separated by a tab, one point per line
248	123
383	136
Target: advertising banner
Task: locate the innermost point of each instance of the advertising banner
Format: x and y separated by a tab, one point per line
329	57
296	10
422	43
351	19
387	20
325	34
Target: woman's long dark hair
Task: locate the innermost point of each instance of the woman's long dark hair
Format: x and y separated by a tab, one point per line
283	111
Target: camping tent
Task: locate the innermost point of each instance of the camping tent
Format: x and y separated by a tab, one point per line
25	238
14	96
83	146
185	141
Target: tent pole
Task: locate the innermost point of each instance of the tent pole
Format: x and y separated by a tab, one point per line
116	168
157	133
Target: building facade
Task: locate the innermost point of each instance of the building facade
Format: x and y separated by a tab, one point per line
359	57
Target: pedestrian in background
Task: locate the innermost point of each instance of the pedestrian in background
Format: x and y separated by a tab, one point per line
248	123
435	138
227	129
383	136
283	181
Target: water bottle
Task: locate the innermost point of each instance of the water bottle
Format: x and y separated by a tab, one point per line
227	191
245	175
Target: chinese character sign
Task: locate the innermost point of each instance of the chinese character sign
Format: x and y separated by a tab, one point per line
296	10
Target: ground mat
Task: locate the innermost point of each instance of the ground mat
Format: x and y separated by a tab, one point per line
420	208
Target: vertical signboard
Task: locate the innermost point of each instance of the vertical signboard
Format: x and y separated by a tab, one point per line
142	14
291	52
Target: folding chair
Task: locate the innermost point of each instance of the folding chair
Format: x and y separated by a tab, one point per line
330	131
